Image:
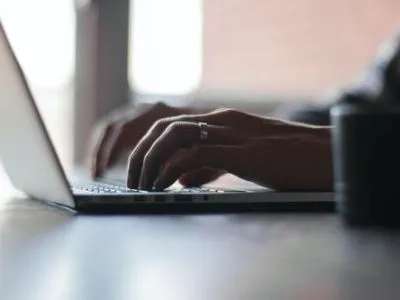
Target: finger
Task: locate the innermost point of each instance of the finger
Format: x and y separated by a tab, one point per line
218	117
99	151
177	136
223	158
114	147
200	177
126	136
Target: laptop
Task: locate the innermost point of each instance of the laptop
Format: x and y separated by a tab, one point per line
30	160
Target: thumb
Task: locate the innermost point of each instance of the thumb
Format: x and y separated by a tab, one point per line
200	176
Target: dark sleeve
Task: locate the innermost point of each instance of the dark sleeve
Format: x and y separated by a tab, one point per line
380	81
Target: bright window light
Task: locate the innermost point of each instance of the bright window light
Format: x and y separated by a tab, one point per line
165	46
42	33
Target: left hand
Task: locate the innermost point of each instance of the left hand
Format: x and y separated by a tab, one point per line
266	151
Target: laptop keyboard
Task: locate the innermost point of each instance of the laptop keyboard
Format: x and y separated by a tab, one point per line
101	188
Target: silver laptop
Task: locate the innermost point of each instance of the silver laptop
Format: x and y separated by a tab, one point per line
32	164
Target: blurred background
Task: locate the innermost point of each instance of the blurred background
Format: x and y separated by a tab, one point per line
84	58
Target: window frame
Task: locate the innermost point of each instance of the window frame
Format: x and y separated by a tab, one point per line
101	67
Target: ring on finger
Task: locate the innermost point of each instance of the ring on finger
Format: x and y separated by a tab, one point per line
203	131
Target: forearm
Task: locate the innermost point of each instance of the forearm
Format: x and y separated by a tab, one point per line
302	164
322	133
318	160
319	157
308	165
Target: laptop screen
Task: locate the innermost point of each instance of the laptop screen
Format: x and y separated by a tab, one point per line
26	151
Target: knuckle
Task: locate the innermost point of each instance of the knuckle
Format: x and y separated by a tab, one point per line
217	111
111	127
228	113
173	128
181	132
159	125
155	125
231	112
105	127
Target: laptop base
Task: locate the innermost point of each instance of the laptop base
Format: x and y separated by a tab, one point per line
206	207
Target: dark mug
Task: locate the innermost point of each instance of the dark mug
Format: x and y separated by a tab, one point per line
366	162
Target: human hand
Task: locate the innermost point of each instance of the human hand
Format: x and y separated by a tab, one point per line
121	131
269	152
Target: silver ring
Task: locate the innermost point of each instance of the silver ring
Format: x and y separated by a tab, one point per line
203	131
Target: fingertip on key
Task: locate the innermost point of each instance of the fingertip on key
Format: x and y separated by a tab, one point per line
157	185
129	183
94	173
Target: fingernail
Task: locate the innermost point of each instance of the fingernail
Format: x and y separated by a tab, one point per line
141	183
98	171
129	183
184	180
157	184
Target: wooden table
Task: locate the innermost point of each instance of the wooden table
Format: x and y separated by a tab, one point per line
51	254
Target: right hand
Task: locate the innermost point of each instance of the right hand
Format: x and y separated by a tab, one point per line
119	134
270	152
